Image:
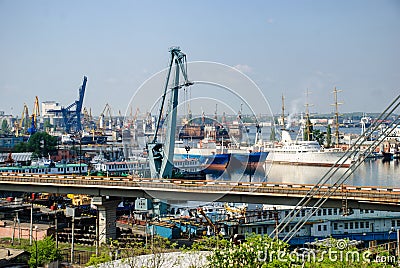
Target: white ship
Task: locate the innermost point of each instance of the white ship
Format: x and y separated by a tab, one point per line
308	153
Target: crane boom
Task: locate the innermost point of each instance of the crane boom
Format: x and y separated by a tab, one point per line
71	118
161	154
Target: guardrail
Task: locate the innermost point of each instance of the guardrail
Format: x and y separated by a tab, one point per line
367	193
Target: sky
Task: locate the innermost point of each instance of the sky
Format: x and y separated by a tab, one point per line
284	47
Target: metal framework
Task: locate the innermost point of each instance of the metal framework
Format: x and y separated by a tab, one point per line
161	154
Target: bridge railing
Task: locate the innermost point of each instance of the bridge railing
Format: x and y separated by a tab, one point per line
378	193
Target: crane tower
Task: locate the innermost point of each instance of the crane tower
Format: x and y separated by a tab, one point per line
161	154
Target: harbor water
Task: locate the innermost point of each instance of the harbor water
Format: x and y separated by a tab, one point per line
372	172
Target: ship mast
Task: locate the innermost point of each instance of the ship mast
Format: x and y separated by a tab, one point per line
283	112
336	104
308	122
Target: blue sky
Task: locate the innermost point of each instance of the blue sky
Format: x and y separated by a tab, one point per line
285	47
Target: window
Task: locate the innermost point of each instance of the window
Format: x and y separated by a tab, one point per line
324	211
351	225
361	211
303	213
325	228
319	228
356	225
398	222
334	211
393	223
346	225
254	230
330	211
335	226
319	213
361	224
367	224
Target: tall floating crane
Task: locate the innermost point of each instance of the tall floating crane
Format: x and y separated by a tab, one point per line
72	118
161	154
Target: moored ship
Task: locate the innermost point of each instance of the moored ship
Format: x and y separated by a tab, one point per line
307	153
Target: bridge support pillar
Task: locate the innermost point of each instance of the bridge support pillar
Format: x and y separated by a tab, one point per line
107	216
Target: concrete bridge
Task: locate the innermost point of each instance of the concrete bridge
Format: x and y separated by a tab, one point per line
363	197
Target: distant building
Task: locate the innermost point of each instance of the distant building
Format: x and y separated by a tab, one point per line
54	119
7	143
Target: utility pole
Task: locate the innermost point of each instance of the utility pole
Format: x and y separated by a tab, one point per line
71	212
398	243
31	223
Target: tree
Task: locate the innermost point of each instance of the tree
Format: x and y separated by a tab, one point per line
40	143
328	136
4	127
46	124
318	136
272	136
43	251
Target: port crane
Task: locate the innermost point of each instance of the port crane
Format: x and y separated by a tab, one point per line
21	126
161	154
36	112
102	123
209	221
72	118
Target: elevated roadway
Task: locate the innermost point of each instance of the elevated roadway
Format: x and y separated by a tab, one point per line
363	197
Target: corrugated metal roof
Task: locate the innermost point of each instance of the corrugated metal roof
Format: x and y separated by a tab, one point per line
18	157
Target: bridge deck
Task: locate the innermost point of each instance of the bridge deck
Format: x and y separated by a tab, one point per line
119	186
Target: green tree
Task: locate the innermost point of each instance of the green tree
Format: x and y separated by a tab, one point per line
40	143
328	136
46	124
272	136
318	136
43	252
4	127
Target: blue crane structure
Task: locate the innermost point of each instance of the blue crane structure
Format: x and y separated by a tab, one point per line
72	118
161	154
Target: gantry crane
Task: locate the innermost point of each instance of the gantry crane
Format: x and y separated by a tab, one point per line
161	154
72	118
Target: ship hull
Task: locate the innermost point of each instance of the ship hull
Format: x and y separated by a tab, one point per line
322	159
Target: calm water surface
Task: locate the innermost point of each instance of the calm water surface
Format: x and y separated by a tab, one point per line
372	172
